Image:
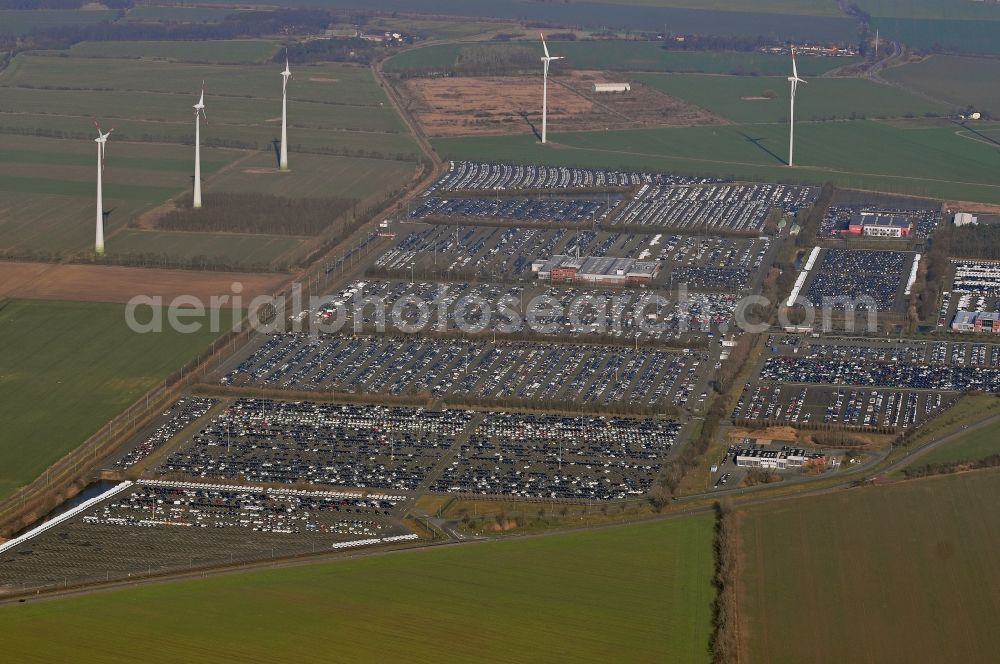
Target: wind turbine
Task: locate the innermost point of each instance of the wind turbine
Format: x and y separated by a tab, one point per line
285	75
546	60
199	113
101	140
794	80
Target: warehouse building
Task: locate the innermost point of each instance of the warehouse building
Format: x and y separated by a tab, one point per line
599	270
879	224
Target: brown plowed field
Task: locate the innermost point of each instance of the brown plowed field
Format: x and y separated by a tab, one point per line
111	283
465	105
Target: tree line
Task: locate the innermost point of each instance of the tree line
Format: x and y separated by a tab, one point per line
259	213
202	262
934	271
724	644
926	470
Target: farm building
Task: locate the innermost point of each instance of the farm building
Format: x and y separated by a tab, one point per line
601	270
612	87
879	224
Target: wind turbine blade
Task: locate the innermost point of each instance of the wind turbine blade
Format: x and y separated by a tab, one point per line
795	71
544	46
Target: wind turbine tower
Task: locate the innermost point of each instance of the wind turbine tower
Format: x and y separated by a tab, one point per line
199	112
101	141
546	60
794	80
285	75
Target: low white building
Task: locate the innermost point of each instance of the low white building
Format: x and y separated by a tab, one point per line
966	219
777	459
612	87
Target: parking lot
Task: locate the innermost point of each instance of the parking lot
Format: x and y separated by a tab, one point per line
529	210
459	368
505	254
838	217
478	176
860	274
551	456
864	382
154	526
801	405
179	415
541	311
740	208
975	286
279	442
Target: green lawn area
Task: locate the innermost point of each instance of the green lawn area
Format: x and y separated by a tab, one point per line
919	159
955	79
233	249
747	99
68	368
233	51
628	56
902	573
973	446
635	594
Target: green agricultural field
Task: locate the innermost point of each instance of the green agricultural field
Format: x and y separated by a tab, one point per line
333	108
233	51
932	9
335	83
807	7
929	161
771	19
629	56
315	175
765	99
903	573
19	22
428	28
342	131
230	249
961	36
47	187
972	446
175	15
954	79
68	368
640	593
156	107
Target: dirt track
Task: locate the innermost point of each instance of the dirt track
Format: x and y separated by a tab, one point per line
111	283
